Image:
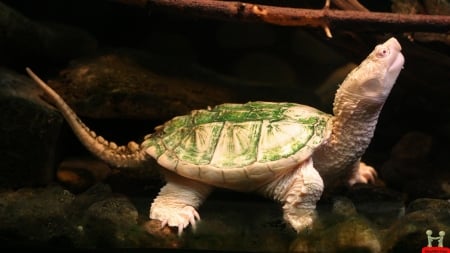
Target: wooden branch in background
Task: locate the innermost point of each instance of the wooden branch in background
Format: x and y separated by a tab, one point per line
285	16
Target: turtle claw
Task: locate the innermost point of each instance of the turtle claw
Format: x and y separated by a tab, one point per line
193	220
179	217
180	230
163	224
364	174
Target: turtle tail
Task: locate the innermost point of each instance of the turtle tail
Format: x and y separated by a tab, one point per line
117	156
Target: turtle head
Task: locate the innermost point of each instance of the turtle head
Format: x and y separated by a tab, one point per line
375	76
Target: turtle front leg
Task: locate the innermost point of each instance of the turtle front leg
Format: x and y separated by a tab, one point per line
176	204
299	193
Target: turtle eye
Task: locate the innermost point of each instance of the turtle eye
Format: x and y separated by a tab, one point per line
382	52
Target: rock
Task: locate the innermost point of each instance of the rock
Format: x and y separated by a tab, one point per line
131	84
112	222
36	216
430	204
119	85
54	217
24	40
408	233
380	205
344	207
337	233
30	131
247	225
84	200
100	218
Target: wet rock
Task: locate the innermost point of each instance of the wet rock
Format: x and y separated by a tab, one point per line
36	216
133	84
427	203
54	217
343	206
25	40
84	200
111	222
380	205
29	133
336	232
98	217
244	225
408	233
118	85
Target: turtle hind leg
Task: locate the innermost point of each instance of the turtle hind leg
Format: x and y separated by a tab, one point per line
176	203
299	193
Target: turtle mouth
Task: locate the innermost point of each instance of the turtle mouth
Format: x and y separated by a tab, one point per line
397	64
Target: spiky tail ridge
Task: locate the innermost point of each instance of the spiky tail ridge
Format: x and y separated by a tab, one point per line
117	156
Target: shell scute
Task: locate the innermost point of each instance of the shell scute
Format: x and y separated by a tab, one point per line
198	144
237	145
282	138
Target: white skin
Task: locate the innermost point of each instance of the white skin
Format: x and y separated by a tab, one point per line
357	105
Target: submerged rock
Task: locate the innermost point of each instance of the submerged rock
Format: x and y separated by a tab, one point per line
132	84
29	133
54	217
342	230
100	218
381	205
110	223
36	217
249	225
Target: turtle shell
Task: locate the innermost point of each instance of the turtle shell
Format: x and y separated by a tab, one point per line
234	144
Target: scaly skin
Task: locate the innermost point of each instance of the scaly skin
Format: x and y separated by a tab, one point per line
357	105
117	156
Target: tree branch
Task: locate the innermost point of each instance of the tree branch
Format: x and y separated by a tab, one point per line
285	16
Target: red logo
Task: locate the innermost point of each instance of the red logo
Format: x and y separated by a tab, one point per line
440	247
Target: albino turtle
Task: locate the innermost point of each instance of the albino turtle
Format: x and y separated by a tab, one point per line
280	150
